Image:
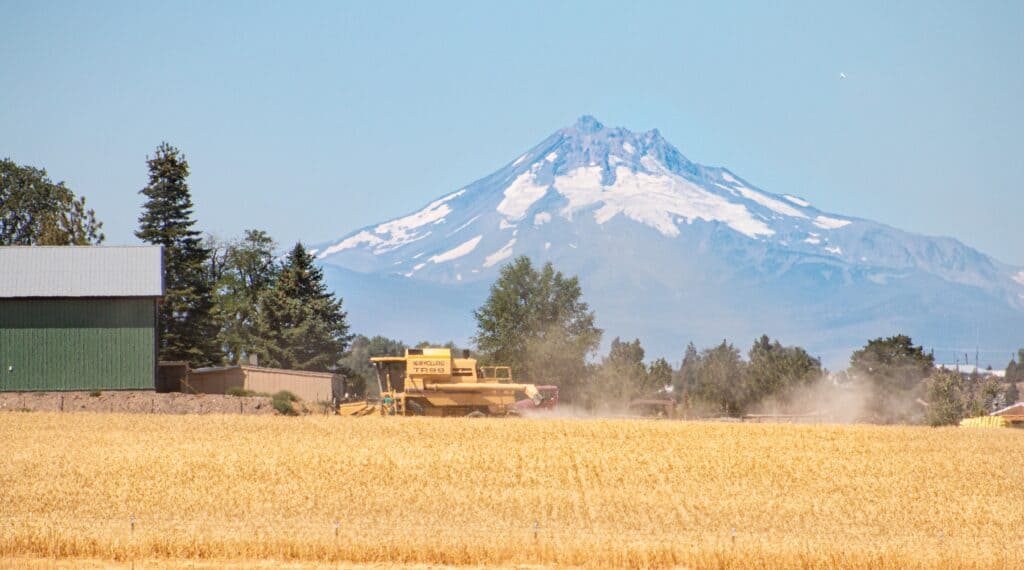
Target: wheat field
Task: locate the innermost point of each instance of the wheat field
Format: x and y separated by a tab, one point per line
171	490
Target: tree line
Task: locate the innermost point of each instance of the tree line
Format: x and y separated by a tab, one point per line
224	302
231	301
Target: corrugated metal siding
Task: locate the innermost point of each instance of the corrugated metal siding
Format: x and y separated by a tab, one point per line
81	271
77	344
307	388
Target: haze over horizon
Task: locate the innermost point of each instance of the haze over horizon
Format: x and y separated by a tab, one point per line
297	120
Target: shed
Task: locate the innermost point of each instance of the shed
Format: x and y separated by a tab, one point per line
308	386
79	317
1014	414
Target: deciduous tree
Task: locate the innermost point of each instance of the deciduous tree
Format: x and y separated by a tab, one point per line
537	322
34	210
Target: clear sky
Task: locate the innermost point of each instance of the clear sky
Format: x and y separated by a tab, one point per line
309	120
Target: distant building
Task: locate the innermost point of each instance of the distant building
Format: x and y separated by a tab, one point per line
79	317
308	386
968	369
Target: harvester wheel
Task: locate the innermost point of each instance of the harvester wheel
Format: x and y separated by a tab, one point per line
476	414
414	407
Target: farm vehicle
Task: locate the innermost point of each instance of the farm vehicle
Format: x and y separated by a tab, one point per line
431	382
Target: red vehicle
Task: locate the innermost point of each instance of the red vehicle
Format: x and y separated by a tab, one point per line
549	394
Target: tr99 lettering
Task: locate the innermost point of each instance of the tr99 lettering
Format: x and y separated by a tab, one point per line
429	367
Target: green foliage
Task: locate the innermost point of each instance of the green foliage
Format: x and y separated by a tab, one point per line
95	394
283	407
621	377
240	392
894	369
360	374
659	374
286	396
1012	393
34	210
537	322
188	329
244	272
944	394
1015	369
301	326
719	379
687	376
777	371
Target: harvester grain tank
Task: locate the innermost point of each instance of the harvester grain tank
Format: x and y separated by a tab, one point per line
431	382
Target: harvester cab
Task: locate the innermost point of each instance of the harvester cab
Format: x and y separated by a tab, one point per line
431	382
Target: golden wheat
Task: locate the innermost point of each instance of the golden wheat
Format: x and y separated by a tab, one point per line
596	493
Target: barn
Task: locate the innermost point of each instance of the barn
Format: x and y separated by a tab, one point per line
79	317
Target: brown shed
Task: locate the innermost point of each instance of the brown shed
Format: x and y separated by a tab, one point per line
308	386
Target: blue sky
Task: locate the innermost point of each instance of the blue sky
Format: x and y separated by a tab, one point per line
312	119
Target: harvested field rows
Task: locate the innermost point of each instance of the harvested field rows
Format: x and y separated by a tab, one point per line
505	492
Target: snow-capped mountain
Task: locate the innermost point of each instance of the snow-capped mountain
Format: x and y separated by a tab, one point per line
669	251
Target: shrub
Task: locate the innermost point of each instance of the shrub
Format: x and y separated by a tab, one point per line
286	395
283	406
282	402
95	394
240	392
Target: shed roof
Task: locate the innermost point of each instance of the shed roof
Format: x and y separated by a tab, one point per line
248	368
81	271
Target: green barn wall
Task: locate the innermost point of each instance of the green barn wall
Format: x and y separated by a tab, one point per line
77	344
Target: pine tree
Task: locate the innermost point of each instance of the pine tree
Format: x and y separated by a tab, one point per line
301	325
188	330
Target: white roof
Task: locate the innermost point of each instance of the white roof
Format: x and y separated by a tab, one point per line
81	271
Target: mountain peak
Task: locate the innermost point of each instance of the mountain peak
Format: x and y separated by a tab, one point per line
588	124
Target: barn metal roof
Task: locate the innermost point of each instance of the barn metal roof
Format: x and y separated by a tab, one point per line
81	271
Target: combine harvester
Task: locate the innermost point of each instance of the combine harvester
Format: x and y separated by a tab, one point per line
430	382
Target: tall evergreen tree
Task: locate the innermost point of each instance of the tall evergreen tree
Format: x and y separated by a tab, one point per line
188	330
301	325
688	374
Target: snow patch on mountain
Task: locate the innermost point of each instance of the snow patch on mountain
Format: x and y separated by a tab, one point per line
458	251
520	195
541	219
1019	277
628	148
463	226
351	242
400	229
773	205
797	201
828	223
502	254
551	157
652	199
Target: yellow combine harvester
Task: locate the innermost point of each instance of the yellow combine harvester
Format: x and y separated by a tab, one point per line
430	382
